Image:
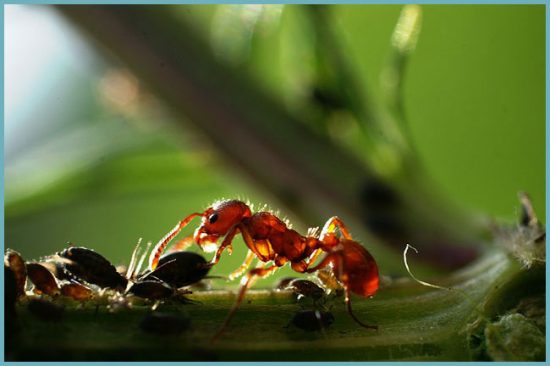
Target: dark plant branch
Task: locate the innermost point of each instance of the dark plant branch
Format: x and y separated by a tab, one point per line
336	74
306	171
403	43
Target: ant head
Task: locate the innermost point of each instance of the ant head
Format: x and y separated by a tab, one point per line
218	219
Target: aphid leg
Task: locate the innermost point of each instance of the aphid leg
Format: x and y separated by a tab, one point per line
350	312
330	227
243	267
161	245
182	244
246	282
225	243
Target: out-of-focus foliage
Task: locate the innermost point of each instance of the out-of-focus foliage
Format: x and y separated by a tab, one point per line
92	159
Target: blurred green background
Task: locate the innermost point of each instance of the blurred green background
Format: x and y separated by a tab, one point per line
91	157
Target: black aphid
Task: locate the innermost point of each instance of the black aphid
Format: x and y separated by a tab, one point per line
92	267
179	269
312	320
152	290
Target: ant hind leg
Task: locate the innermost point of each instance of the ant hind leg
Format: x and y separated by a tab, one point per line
350	312
330	228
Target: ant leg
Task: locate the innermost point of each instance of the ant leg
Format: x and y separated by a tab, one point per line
161	245
350	312
302	266
330	227
239	271
182	244
261	248
246	282
313	257
330	258
225	243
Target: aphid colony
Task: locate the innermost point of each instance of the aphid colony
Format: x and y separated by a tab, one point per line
81	273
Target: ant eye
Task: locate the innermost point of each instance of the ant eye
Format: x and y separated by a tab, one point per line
213	218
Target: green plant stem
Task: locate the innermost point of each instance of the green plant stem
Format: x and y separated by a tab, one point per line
415	323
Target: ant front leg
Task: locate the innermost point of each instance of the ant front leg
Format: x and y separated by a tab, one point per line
226	243
161	245
182	244
247	281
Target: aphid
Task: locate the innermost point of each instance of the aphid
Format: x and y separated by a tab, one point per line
305	288
165	323
15	262
46	310
327	277
77	291
283	283
270	239
179	269
44	281
312	320
152	290
92	267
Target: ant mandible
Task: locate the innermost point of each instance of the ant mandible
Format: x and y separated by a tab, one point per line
269	239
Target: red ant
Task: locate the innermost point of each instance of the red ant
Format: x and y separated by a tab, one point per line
269	239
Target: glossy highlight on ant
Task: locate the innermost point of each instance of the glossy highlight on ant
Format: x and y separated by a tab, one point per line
268	238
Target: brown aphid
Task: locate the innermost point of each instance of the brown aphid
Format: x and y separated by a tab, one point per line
92	267
77	291
55	265
329	279
305	288
15	262
44	281
152	290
